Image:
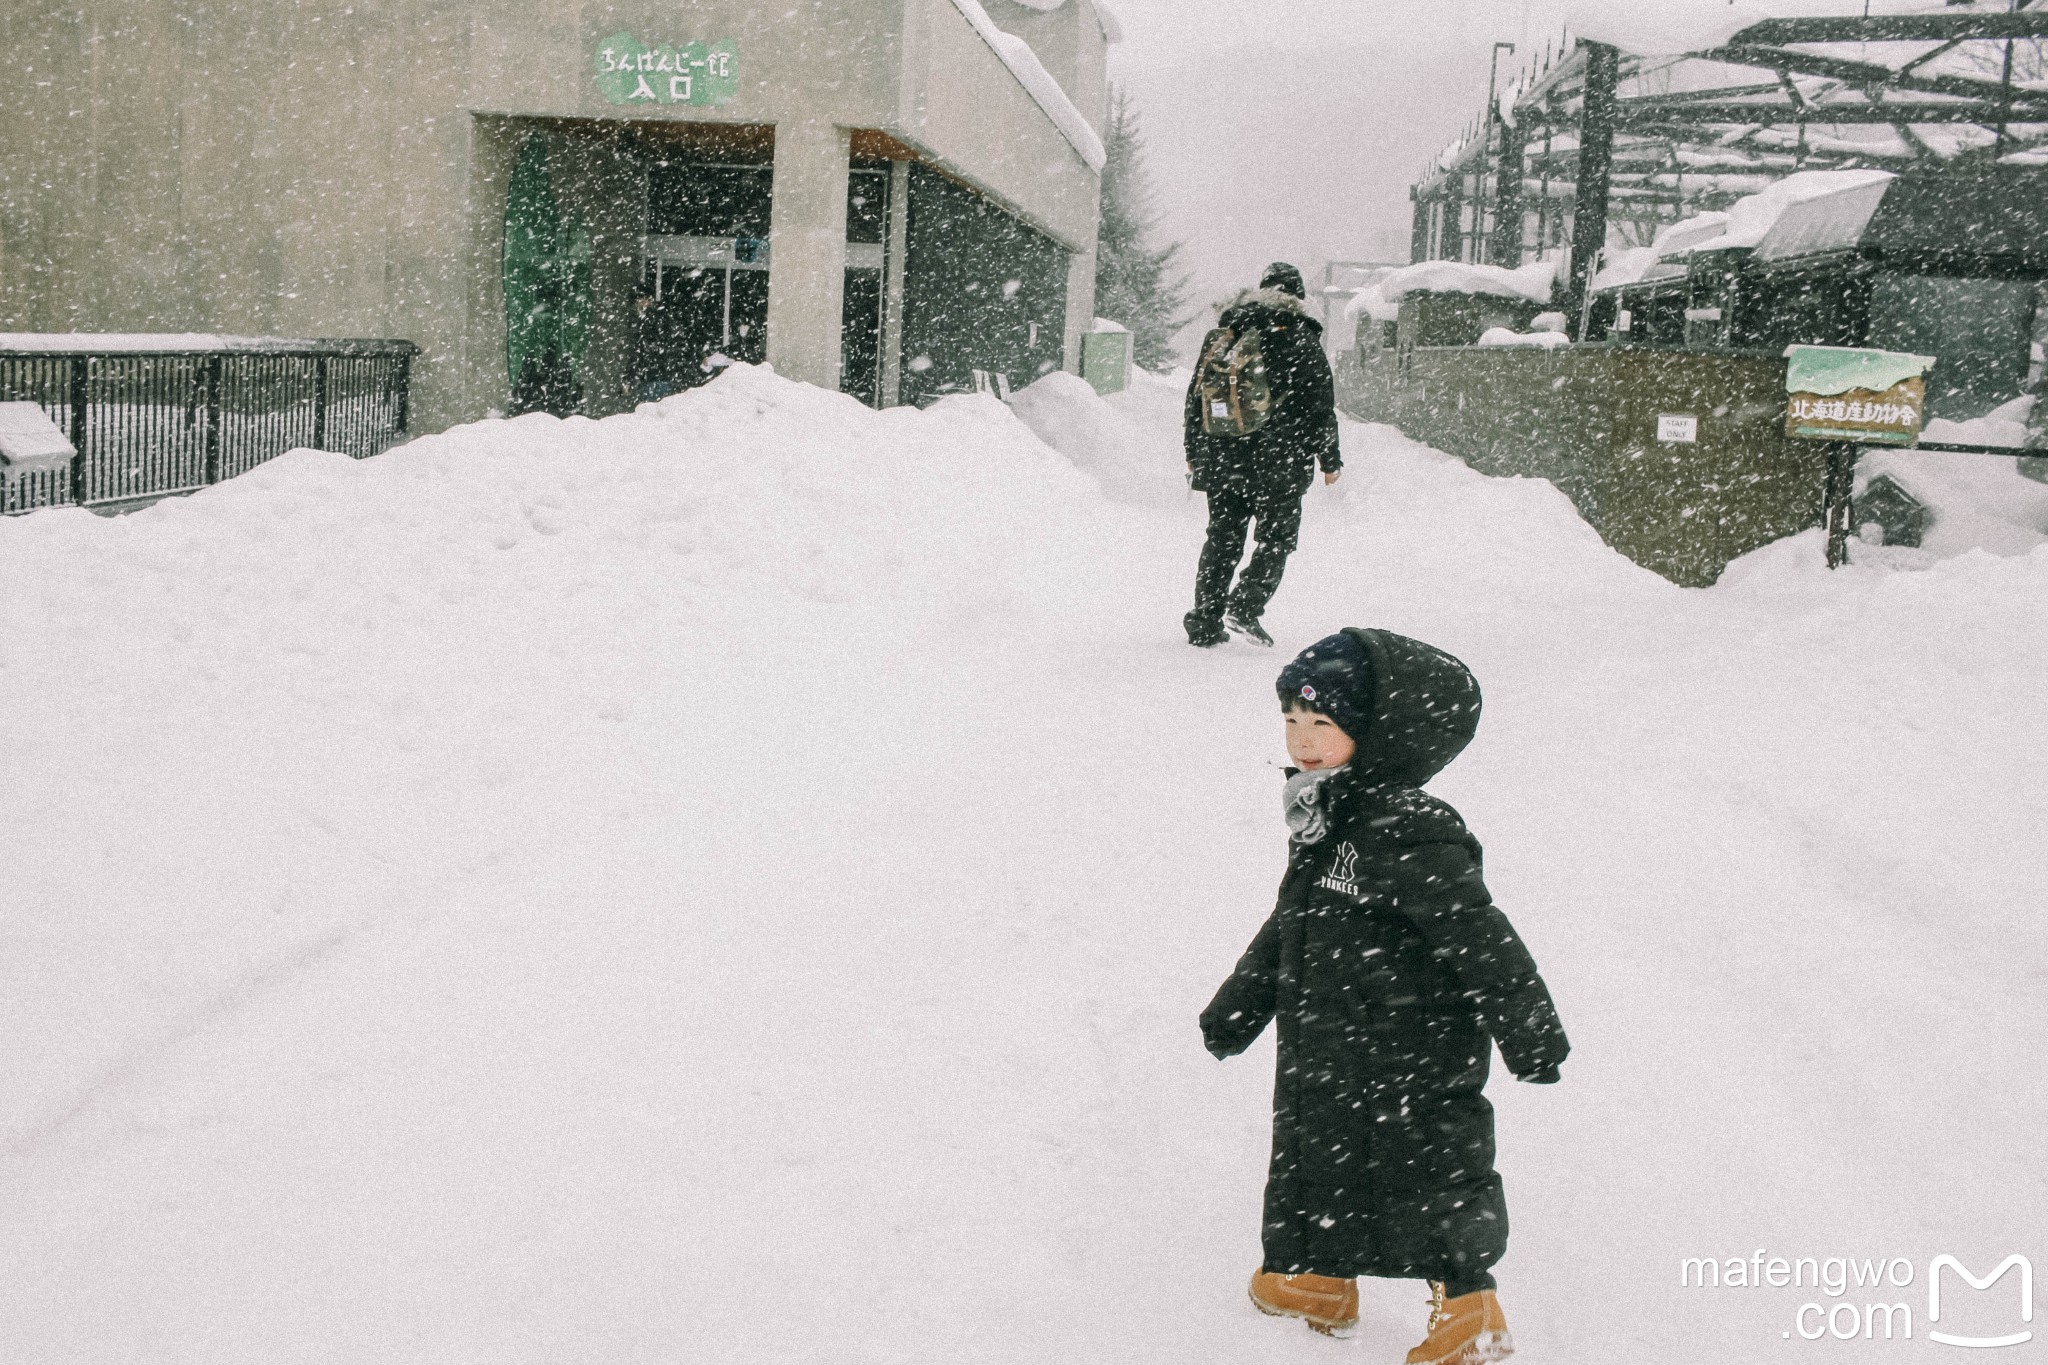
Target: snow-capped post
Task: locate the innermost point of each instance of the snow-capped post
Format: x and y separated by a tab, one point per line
1596	165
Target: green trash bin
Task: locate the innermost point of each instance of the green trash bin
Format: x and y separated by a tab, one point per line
1106	357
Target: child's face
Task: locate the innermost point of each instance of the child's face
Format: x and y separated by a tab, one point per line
1315	742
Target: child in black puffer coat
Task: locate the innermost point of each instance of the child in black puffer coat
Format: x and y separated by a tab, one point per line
1391	975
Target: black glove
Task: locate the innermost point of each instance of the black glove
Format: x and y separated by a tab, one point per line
1544	1076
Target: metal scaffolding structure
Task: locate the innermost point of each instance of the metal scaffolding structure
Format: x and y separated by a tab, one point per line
1594	144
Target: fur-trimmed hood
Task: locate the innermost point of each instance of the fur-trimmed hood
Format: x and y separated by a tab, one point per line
1270	308
1277	299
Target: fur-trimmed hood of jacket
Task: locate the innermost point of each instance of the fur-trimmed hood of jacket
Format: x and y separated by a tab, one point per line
1278	299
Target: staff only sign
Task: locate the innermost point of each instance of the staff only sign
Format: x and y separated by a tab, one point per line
1842	393
630	72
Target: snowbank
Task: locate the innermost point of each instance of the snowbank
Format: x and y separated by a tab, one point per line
1979	503
1129	459
545	892
1532	281
2002	426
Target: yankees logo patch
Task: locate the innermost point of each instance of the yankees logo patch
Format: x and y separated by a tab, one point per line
1343	871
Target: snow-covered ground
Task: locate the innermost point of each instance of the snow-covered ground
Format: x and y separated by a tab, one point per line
735	883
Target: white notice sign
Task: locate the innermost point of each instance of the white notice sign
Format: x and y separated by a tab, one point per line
1678	427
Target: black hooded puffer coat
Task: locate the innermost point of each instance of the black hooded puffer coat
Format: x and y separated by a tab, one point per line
1390	972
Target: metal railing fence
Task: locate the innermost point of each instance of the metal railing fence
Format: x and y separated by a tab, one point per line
150	422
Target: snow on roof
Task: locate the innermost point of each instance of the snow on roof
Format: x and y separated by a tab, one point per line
1503	337
1665	28
1037	81
1370	302
1828	222
1752	218
1532	281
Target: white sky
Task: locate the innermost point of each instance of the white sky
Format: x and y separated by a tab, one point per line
1291	129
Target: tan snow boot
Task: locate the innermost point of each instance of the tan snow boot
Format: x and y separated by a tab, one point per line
1467	1330
1326	1304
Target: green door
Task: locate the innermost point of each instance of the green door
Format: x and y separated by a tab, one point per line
547	291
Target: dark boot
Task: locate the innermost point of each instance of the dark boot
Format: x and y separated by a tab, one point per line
1204	631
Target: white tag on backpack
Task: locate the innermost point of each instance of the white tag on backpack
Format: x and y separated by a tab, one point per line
1219	408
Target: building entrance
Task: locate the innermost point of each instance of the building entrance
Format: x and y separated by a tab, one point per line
702	300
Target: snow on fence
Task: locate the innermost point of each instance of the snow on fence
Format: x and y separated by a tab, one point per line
156	415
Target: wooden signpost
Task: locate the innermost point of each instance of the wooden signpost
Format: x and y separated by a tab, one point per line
1851	397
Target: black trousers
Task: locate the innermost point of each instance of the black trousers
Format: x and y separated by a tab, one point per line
1233	509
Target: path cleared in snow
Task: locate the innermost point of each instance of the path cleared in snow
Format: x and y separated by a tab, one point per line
736	882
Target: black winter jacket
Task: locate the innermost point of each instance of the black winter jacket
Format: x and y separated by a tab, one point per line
1390	972
1280	459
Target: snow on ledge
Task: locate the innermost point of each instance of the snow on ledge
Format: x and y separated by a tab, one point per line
1038	83
1532	282
61	343
1505	337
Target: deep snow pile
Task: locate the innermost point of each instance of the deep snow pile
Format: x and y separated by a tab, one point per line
736	882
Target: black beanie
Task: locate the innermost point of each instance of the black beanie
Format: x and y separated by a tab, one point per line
1285	278
1333	676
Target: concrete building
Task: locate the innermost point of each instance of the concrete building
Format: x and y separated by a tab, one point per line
574	203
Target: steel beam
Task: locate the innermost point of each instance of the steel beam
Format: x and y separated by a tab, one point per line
1595	173
1896	28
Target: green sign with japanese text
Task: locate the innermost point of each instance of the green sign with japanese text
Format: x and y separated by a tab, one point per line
631	72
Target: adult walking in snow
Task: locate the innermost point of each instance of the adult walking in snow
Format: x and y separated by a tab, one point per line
1261	417
1391	975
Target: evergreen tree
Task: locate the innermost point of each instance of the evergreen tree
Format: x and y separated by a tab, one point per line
1135	282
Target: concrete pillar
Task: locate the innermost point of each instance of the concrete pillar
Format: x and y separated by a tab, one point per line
1080	306
807	251
896	255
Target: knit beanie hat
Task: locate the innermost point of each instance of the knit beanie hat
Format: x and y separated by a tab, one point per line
1285	278
1334	677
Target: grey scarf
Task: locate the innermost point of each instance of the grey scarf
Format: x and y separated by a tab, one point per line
1307	805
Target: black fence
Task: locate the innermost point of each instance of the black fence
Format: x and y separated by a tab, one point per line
149	422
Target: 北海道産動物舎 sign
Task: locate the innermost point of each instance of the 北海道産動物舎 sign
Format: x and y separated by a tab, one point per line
1844	393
